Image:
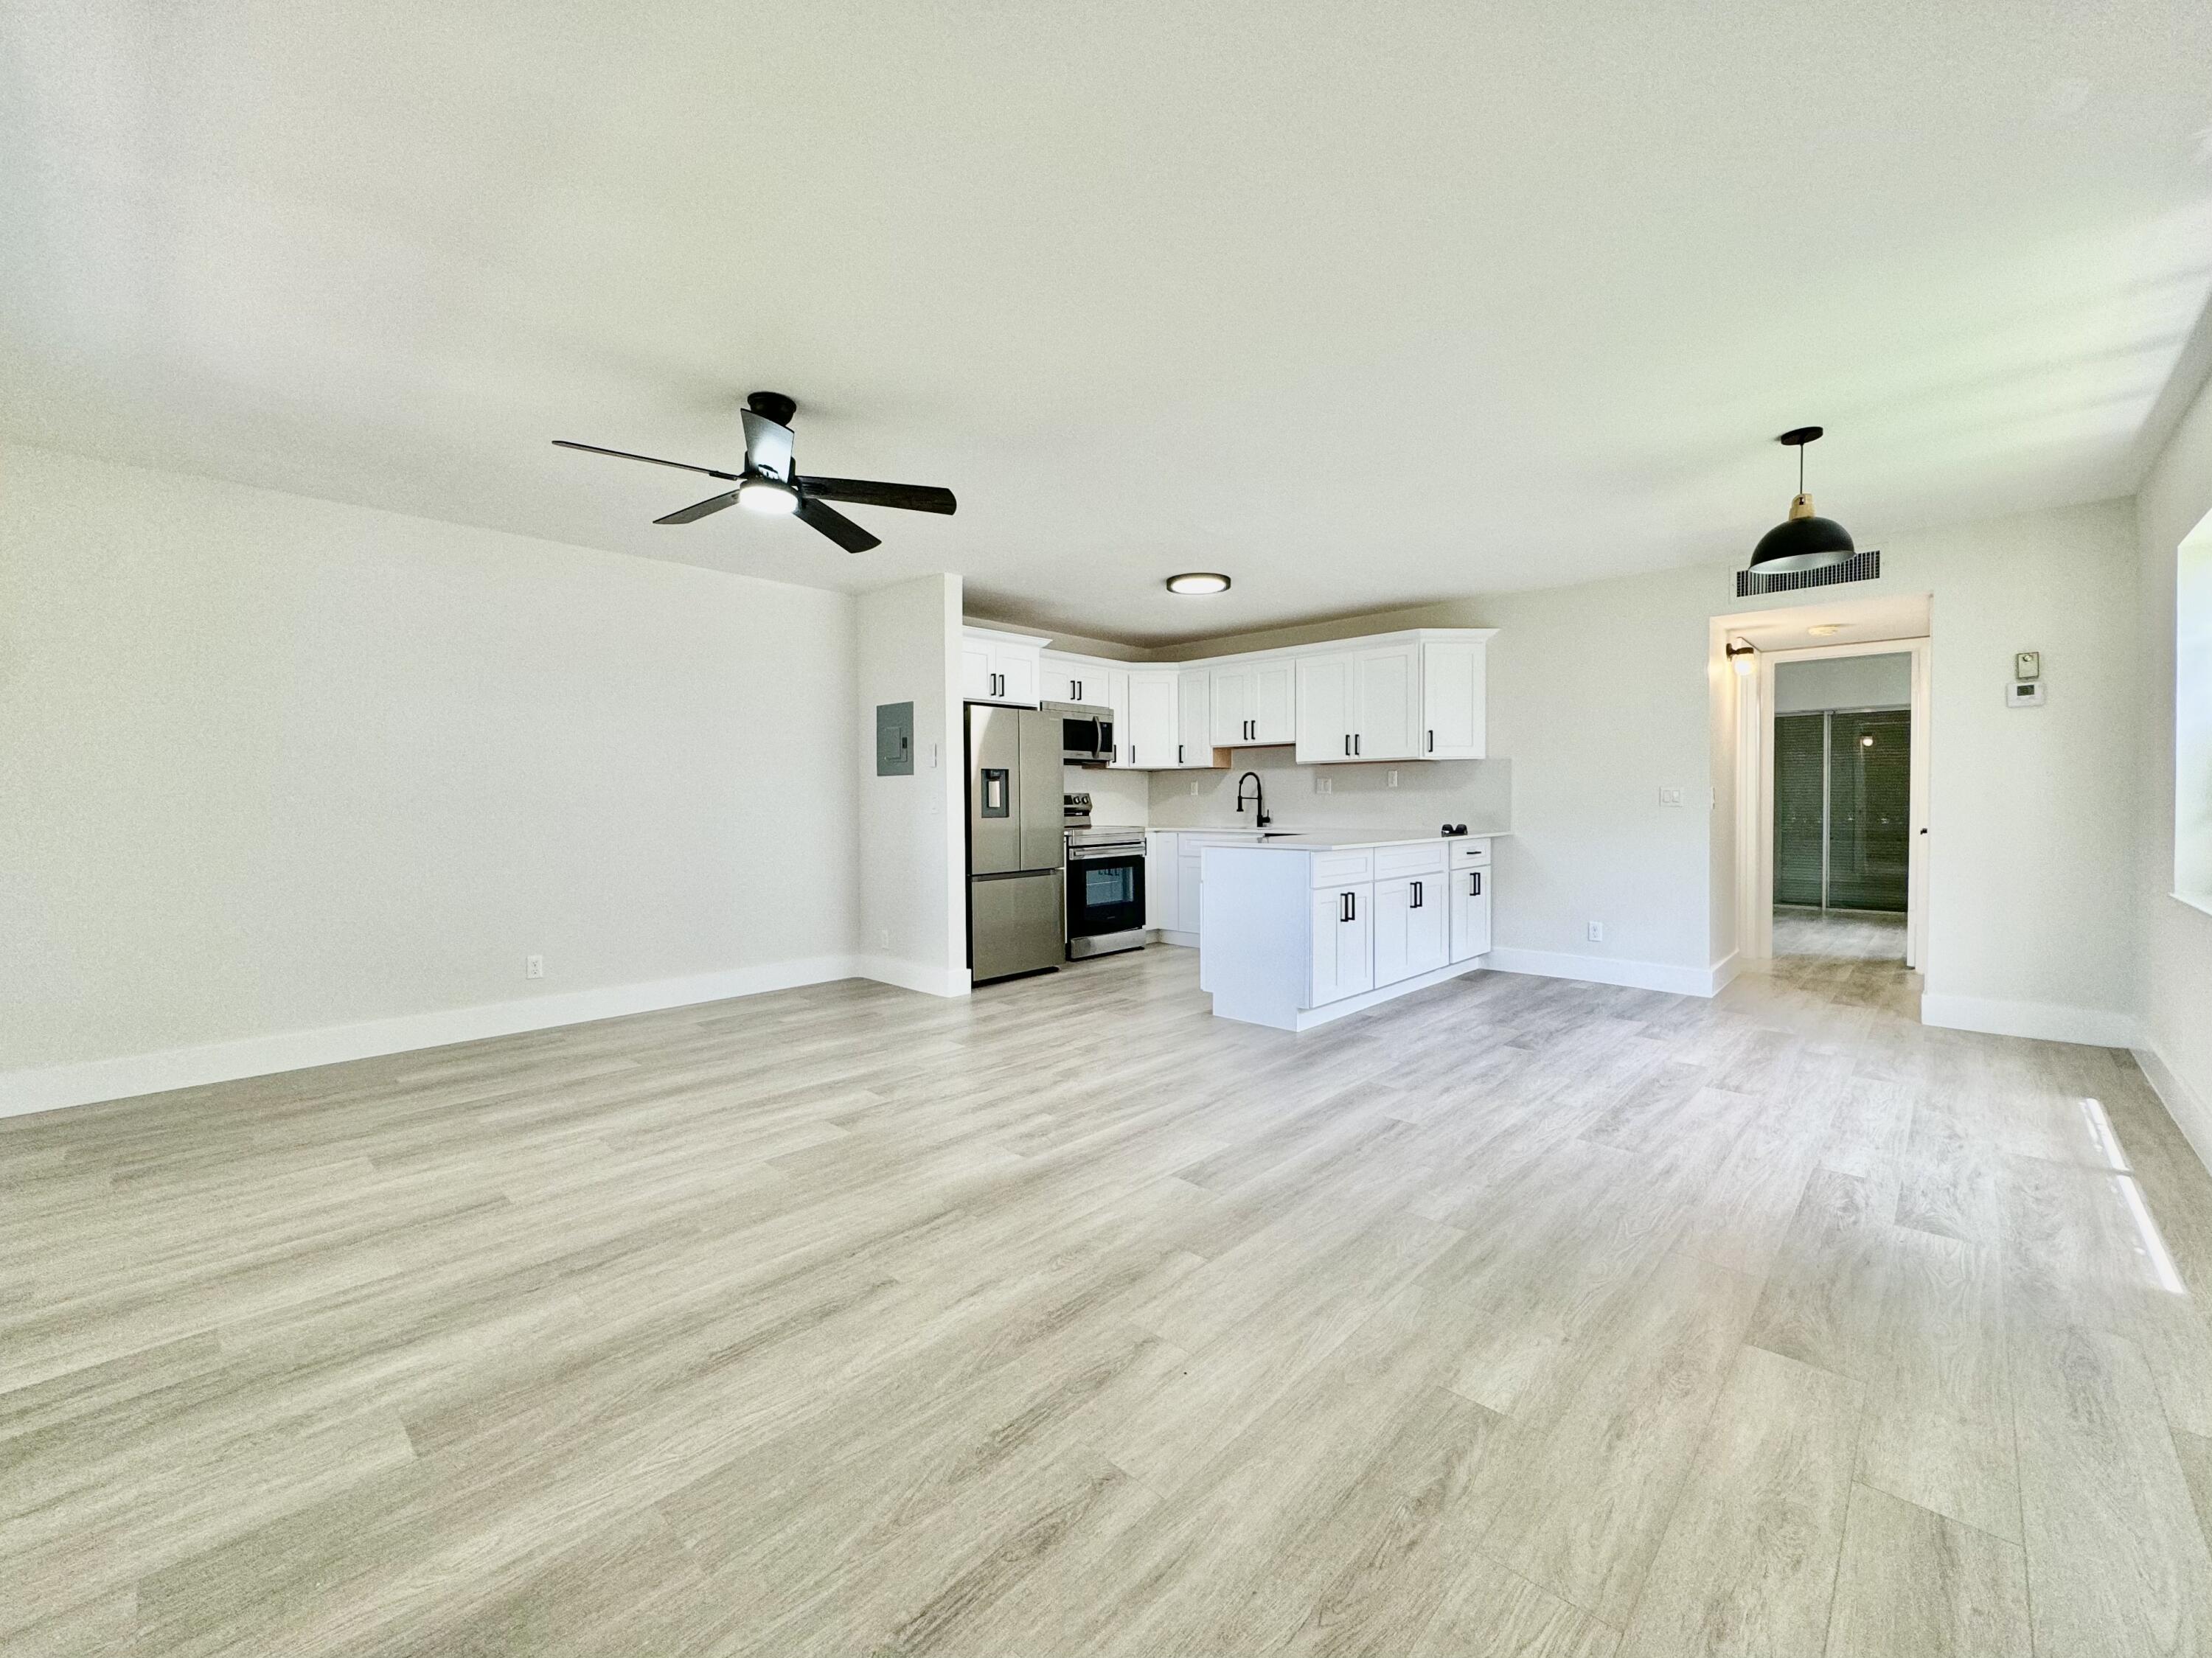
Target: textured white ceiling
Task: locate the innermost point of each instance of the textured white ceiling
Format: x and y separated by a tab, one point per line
1366	306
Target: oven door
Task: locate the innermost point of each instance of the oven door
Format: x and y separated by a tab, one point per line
1105	895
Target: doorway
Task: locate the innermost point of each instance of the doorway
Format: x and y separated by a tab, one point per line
1827	739
1841	785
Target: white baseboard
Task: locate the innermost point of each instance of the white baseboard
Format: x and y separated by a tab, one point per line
1613	970
1723	973
56	1086
2045	1022
914	975
1169	936
2191	1113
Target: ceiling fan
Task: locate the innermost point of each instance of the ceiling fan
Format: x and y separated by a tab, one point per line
769	485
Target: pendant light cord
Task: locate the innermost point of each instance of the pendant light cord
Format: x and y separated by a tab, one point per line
1800	469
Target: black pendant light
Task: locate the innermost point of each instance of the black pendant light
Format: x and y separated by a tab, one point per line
1801	541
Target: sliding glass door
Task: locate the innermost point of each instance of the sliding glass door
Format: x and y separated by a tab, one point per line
1842	784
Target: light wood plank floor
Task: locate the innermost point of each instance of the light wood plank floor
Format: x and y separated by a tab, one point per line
1520	1316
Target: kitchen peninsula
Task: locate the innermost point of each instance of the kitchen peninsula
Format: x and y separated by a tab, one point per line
1297	930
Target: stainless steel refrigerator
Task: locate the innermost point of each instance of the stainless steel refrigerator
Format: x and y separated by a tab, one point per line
1017	851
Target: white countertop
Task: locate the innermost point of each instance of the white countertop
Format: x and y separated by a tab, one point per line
1338	840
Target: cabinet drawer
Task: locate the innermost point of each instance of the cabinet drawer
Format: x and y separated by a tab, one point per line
1425	857
1467	852
1334	869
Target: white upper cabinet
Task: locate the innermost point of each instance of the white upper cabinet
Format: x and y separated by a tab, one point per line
1406	697
1326	712
996	666
1454	721
1195	717
1235	690
1388	682
1065	678
1255	704
1148	740
1275	702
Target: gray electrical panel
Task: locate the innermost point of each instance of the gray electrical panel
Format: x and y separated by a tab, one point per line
894	739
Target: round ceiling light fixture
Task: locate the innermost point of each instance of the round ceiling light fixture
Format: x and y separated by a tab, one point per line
767	494
1199	581
1803	540
1823	629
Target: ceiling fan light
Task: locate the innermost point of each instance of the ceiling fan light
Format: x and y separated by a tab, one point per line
1199	581
767	496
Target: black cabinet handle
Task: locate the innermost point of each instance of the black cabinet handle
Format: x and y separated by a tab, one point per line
1178	754
1474	884
1355	742
1416	904
1432	741
1344	907
1347	746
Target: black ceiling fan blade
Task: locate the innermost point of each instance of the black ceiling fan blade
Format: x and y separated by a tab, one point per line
651	460
699	509
835	525
912	497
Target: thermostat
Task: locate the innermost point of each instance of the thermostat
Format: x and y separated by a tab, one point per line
2028	664
2024	694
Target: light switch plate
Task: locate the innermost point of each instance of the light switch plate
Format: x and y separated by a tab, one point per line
1670	797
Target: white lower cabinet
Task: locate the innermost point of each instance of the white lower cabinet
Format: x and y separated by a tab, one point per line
1412	934
1296	935
1470	913
1342	939
1160	886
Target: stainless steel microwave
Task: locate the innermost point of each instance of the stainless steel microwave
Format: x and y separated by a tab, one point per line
1086	732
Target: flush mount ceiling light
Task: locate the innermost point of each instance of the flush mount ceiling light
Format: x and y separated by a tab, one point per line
1199	581
1825	629
1801	541
1742	656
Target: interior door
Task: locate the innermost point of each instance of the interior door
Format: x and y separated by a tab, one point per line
1390	704
1325	709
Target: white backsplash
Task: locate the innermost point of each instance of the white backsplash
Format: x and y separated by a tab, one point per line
1120	800
1429	794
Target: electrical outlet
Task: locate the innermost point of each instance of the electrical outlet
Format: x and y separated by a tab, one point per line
1394	777
883	938
1597	933
1670	797
1193	785
533	967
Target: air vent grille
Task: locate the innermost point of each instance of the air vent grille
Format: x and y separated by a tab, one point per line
1860	567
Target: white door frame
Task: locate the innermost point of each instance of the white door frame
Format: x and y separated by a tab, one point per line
1754	794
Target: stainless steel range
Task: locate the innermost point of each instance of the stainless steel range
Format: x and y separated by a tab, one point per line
1105	883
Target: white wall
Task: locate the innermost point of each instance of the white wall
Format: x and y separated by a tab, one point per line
302	781
1121	799
1601	695
914	891
1843	681
2173	977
